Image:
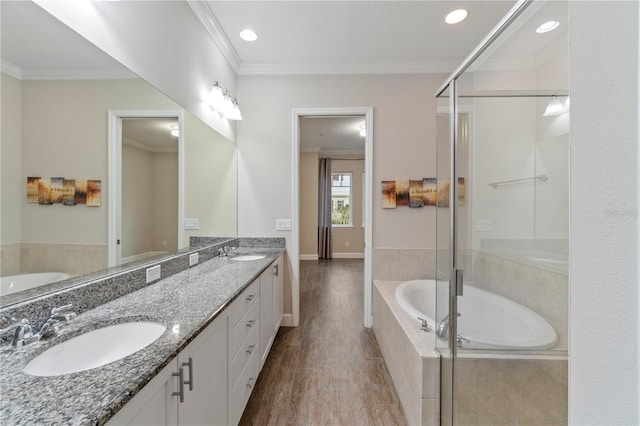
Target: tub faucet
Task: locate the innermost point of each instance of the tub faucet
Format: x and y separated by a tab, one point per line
443	328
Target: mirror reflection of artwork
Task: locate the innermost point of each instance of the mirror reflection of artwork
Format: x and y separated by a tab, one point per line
402	192
429	191
69	192
388	194
32	189
80	196
443	193
415	194
57	184
93	193
44	191
461	191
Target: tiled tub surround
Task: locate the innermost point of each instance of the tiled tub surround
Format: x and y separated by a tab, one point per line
185	302
493	387
409	354
72	259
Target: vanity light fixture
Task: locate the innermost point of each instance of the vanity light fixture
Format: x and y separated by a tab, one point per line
221	100
456	16
248	35
556	107
547	26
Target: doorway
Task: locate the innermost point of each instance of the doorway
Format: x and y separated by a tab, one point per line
363	220
145	185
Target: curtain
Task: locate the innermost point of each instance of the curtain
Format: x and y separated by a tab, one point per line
325	246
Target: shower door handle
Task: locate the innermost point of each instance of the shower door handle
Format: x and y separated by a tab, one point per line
458	279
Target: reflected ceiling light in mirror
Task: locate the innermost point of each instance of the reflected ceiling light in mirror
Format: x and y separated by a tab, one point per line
556	107
248	35
221	101
175	131
456	16
547	26
363	131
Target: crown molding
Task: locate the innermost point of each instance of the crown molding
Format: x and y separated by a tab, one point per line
66	74
206	16
297	68
312	149
339	152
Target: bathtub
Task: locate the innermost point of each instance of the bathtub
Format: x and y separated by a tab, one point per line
15	283
487	320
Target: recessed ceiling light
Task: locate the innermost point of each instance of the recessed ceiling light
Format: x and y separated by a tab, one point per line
547	26
248	35
456	16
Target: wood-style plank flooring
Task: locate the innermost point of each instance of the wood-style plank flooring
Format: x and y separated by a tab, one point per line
329	370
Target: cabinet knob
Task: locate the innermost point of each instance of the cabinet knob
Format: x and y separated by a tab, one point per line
250	384
250	349
251	323
250	297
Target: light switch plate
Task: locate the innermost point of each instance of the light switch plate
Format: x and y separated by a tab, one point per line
153	274
191	223
283	224
193	259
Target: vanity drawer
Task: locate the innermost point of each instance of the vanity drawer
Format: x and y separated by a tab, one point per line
244	327
242	390
247	348
243	302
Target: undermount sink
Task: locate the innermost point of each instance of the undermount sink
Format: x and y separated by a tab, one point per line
95	348
248	257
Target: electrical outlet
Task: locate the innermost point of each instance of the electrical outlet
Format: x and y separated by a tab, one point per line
193	259
283	224
191	223
153	273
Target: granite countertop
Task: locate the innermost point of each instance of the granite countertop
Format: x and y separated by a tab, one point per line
185	303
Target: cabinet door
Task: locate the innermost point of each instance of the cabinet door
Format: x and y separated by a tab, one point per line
278	294
204	368
266	318
154	405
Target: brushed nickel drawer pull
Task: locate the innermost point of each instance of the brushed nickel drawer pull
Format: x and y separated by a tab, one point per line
250	349
251	323
250	384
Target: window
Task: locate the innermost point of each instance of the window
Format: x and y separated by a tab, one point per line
341	199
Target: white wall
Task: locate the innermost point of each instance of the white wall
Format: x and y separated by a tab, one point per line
165	201
309	204
13	188
404	146
163	42
604	303
137	200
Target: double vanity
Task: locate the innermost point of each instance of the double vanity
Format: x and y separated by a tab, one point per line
185	349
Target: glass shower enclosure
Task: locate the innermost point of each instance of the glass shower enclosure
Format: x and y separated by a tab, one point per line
503	146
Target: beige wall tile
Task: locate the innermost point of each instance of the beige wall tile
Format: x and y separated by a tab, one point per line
403	264
543	422
498	387
466	389
544	389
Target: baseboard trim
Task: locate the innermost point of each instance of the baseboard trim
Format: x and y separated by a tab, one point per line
287	320
348	255
308	257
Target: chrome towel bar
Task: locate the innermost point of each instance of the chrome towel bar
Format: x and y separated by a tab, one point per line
542	178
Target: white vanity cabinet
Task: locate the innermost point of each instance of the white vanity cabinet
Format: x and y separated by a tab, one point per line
210	381
190	390
271	294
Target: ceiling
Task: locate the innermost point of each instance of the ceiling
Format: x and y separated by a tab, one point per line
150	134
332	134
304	37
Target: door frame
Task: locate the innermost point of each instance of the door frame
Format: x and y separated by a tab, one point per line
114	172
298	113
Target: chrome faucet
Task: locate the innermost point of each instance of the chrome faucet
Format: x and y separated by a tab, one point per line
443	332
23	334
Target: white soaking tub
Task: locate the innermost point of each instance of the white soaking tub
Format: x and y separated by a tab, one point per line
487	320
15	283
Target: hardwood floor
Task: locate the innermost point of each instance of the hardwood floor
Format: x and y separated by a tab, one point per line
329	370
